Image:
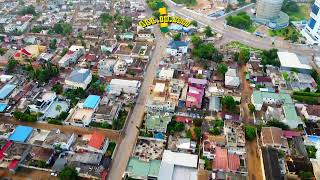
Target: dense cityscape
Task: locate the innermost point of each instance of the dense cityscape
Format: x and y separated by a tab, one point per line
160	89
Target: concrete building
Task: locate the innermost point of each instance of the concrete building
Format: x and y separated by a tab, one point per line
79	79
117	86
290	61
311	30
268	12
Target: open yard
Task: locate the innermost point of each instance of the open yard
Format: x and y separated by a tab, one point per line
296	12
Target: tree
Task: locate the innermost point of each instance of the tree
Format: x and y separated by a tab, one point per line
250	132
196	40
197	122
68	173
208	31
252	108
58	108
277	123
244	56
27	10
305	175
241	21
11	65
57	88
106	18
53	44
36	29
229	103
236	56
175	126
194	23
62	28
222	69
207	52
215	131
197	132
177	37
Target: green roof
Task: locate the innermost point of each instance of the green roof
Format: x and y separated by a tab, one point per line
143	169
158	122
292	119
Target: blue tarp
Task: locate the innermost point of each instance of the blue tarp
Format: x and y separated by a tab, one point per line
91	102
21	133
3	106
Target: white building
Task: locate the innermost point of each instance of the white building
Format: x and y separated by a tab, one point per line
177	166
166	74
290	61
74	53
117	86
176	48
311	31
79	79
120	68
231	79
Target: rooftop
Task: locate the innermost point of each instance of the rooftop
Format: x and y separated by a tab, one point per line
79	75
97	140
91	102
271	163
149	148
291	60
139	168
6	90
21	133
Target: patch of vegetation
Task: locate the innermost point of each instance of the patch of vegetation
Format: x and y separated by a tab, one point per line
288	33
27	116
250	132
118	123
229	104
296	12
103	125
75	95
241	21
57	88
217	126
252	108
222	69
312	150
36	29
59	119
68	173
306	97
43	74
27	10
197	132
175	126
277	123
270	57
111	147
54	121
186	2
206	51
11	65
239	46
155	4
197	122
62	28
64	51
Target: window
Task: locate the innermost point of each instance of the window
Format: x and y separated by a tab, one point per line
314	9
311	23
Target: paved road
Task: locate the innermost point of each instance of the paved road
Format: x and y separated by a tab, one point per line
234	34
119	163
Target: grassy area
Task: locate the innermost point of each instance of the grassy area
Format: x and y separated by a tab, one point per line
295	11
100	125
111	147
186	2
288	33
241	21
238	45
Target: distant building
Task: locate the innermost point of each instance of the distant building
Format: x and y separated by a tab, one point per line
268	12
311	30
79	79
117	86
74	53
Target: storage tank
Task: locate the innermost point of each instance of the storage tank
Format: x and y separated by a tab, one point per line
268	9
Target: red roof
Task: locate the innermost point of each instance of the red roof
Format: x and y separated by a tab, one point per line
96	140
183	119
221	160
13	164
70	52
90	57
25	52
290	134
234	162
4	148
17	54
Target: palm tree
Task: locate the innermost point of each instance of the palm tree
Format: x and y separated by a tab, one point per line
58	108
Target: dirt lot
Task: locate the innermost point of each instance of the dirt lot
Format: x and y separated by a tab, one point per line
207	6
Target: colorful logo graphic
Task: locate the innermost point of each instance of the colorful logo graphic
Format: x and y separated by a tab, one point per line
164	20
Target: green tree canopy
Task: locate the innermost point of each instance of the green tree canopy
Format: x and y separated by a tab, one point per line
250	132
68	173
244	56
229	103
208	31
241	21
196	40
222	69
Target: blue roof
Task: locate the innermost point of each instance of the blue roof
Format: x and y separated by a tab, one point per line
91	101
3	106
21	133
6	90
79	76
177	44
